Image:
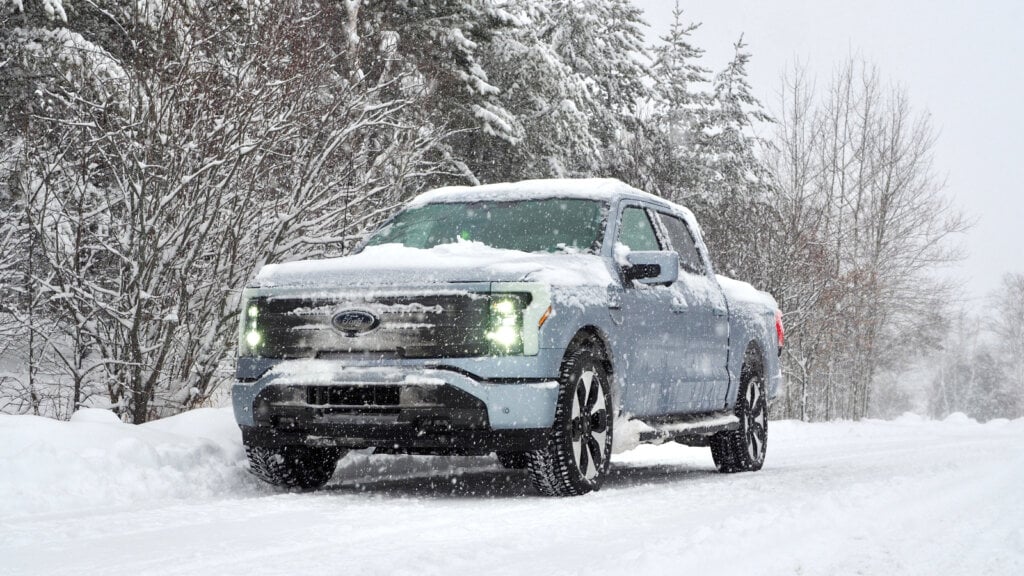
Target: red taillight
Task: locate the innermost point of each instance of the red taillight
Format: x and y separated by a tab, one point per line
779	330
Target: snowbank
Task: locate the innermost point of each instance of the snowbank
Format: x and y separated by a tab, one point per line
96	461
909	496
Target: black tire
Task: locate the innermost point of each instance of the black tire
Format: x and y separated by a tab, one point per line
513	460
304	467
744	449
578	454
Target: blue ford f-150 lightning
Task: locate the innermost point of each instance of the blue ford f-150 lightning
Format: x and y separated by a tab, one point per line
540	320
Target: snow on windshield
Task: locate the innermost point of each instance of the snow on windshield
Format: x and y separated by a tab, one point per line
541	225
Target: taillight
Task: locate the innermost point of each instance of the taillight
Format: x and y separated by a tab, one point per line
779	330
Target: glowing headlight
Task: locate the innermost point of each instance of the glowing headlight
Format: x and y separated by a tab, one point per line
250	336
505	330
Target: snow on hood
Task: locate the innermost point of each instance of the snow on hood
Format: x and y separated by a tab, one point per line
394	264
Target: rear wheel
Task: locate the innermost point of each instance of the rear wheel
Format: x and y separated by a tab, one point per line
577	456
305	467
744	449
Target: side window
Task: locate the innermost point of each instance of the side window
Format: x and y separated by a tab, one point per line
683	243
636	231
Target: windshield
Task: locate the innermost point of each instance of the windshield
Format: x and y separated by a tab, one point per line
548	225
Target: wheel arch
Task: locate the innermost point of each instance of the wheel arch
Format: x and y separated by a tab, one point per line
753	359
595	336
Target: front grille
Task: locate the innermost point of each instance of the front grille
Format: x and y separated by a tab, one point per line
435	326
373	395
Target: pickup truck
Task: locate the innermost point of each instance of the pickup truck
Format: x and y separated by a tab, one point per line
552	322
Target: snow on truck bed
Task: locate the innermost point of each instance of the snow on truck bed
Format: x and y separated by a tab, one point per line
912	496
739	291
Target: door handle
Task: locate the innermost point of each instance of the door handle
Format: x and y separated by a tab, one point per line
721	312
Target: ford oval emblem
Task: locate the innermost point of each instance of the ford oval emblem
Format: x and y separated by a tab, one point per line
354	322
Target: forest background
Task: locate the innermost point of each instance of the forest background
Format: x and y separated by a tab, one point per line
154	154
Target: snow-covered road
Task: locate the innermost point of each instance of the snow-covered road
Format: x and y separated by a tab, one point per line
173	497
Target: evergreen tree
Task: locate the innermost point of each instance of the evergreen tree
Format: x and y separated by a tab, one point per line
726	136
733	204
571	74
601	42
679	108
547	99
436	47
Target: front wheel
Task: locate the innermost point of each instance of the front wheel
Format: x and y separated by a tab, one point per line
744	449
304	467
577	456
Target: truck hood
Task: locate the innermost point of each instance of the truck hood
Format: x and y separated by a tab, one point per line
395	265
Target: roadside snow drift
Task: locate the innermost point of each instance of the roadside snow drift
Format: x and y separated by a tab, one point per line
912	496
97	461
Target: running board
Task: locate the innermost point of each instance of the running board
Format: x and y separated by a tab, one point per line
693	430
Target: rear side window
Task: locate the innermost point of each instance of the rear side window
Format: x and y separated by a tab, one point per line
683	243
636	231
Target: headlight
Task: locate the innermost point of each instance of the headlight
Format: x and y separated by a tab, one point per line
505	329
518	311
250	337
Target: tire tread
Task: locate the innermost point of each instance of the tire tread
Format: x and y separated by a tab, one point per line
552	470
729	449
302	467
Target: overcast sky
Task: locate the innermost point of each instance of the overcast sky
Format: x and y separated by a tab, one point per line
960	61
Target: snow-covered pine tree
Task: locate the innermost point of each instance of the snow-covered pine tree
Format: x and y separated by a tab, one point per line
733	206
435	46
677	111
601	43
570	75
544	95
728	135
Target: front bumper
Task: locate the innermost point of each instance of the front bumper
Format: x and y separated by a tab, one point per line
401	439
401	409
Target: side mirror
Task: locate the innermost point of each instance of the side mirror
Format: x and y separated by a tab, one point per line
651	267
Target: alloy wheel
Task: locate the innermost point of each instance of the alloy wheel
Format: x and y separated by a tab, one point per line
755	422
589	421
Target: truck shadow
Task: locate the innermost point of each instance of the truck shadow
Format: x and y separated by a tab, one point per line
444	482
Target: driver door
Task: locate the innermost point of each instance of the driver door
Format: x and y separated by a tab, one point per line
645	331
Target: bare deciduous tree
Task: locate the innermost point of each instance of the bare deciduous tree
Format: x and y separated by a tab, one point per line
862	224
150	190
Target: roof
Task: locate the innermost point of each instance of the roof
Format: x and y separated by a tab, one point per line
604	189
591	188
